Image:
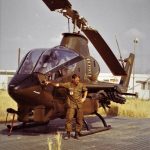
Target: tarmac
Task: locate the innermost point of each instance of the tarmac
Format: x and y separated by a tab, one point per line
125	134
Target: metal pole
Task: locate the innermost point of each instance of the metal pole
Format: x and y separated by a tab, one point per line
19	51
149	94
148	84
135	42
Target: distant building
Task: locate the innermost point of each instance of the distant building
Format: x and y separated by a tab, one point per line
144	85
5	77
141	83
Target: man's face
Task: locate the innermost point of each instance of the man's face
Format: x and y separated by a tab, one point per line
76	80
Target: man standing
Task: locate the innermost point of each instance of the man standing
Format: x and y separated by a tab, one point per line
76	97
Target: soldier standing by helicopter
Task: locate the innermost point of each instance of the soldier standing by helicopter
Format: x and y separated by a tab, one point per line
76	96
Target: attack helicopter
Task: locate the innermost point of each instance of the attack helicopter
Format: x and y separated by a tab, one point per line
39	103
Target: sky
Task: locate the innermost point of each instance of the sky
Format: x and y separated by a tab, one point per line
28	24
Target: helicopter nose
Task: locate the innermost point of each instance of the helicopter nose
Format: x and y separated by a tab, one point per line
13	88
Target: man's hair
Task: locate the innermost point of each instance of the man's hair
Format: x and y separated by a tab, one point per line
75	76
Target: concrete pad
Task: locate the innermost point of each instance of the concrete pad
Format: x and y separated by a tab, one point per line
126	134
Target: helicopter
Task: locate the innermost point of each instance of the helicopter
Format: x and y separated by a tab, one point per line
39	103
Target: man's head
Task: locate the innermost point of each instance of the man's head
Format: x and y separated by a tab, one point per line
75	79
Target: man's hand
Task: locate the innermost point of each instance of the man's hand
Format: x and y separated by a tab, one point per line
49	82
83	99
46	82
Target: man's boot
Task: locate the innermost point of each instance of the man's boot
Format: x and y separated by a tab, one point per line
67	136
77	135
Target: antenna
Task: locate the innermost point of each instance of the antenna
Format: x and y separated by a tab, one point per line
68	24
122	61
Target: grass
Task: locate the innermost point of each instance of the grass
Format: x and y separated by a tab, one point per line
132	108
6	102
55	143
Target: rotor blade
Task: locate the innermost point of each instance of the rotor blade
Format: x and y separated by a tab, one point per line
104	50
57	4
95	38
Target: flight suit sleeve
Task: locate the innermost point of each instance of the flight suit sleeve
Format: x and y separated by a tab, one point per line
65	85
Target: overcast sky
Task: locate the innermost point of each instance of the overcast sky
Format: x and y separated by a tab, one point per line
29	24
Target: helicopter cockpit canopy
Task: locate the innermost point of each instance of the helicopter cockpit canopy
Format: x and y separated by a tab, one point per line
48	60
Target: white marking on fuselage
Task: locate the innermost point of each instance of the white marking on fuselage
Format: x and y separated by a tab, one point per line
36	92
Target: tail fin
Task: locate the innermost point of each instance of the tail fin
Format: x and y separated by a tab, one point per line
124	81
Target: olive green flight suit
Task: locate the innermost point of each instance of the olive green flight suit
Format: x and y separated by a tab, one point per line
74	105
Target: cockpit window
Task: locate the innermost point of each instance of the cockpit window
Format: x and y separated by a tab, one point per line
30	62
54	58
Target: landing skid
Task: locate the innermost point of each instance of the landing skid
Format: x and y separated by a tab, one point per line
23	126
33	124
20	126
95	131
100	129
16	126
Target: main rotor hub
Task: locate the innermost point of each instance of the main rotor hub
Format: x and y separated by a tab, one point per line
77	42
